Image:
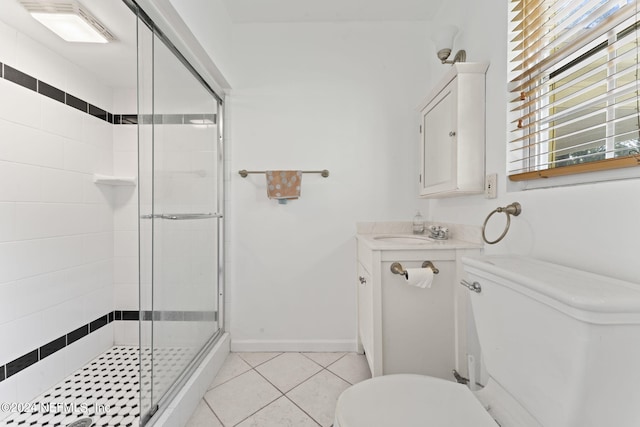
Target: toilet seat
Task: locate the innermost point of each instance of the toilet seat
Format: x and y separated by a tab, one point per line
410	401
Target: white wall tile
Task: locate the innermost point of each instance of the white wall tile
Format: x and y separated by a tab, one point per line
60	119
8	42
80	352
125	138
24	107
125	163
98	303
126	215
59	186
8	392
25	144
20	182
98	246
125	242
40	62
62	252
126	296
68	316
20	259
20	336
7	221
125	270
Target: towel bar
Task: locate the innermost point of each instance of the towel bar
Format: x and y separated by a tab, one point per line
244	173
396	268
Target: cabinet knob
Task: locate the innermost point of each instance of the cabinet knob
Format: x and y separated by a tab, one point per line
452	133
362	280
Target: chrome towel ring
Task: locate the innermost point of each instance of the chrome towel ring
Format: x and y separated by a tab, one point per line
513	209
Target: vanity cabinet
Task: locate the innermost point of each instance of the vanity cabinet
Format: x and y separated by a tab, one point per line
453	134
405	329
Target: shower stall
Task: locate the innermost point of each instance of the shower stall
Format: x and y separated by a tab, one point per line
112	235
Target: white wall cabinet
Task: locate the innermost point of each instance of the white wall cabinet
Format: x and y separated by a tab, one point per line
453	134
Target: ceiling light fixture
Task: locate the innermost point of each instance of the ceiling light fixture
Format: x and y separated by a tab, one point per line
69	20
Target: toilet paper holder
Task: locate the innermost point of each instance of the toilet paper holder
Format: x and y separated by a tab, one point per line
396	268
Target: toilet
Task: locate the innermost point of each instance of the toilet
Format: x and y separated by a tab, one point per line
561	347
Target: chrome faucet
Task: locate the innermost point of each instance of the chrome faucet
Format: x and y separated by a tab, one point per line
438	232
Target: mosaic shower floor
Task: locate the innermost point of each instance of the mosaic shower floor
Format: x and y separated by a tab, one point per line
107	390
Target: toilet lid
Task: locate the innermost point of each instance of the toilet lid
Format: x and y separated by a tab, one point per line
410	401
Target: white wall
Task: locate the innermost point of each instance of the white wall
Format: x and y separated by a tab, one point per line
591	227
215	34
315	96
56	225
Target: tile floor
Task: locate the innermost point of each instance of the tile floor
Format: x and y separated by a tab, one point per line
278	389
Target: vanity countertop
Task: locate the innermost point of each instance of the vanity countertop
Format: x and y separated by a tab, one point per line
377	242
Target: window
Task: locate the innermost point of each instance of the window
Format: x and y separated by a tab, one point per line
574	90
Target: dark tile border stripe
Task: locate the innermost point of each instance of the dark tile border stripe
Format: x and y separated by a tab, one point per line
50	91
23	79
20	78
52	347
21	363
58	344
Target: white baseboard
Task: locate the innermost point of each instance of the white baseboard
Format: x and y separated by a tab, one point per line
293	345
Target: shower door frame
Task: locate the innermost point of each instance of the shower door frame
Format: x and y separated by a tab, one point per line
149	418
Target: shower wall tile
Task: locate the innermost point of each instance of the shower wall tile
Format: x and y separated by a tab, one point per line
125	163
125	270
20	336
7	221
126	296
38	60
25	182
24	107
8	41
97	246
125	242
79	156
25	144
61	120
62	186
98	303
56	225
66	315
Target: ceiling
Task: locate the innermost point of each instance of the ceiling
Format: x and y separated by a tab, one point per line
254	11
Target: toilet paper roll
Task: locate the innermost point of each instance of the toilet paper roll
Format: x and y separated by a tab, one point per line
419	277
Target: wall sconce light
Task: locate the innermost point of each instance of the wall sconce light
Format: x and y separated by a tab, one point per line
443	39
69	20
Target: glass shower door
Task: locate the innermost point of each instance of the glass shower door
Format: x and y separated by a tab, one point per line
180	219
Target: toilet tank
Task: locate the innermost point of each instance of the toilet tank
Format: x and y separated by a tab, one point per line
565	344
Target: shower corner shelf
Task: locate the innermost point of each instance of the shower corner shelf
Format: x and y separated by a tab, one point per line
114	180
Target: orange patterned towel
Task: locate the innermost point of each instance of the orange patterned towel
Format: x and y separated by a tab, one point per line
284	185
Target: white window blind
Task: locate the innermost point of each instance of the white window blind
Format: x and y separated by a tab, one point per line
574	89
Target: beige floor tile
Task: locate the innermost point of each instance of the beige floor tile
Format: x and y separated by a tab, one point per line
353	368
255	359
318	396
203	417
231	368
288	370
240	397
281	413
324	359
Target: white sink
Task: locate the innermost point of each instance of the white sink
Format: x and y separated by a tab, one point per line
404	239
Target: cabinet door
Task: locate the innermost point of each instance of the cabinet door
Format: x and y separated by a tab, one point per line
439	140
365	311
